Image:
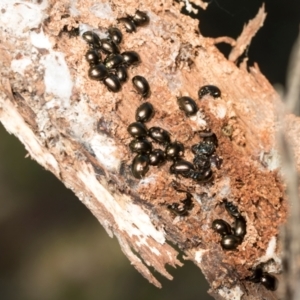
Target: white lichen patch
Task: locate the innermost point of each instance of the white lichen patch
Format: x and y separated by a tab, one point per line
199	255
40	40
104	148
102	11
56	73
20	65
18	16
234	293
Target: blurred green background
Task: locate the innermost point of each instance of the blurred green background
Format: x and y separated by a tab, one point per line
53	248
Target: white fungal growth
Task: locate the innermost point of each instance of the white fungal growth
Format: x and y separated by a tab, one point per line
19	16
199	255
234	293
20	65
102	11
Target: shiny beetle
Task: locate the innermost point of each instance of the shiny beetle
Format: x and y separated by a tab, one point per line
174	150
211	90
113	83
140	166
232	209
98	72
157	157
115	35
201	162
221	227
230	241
141	85
131	58
159	135
140	146
144	112
121	73
128	24
239	227
92	39
201	176
113	60
140	18
205	148
212	138
93	57
182	167
109	47
186	204
137	129
269	281
188	105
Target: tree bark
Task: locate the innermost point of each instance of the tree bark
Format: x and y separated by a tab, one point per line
75	128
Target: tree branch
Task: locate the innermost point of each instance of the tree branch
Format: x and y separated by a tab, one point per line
76	128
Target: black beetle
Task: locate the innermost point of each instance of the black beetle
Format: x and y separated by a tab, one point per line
182	209
232	209
93	57
269	281
113	60
113	83
203	148
221	227
211	90
174	150
230	241
182	167
212	138
256	276
140	18
98	72
157	157
115	34
144	112
201	176
121	73
140	146
141	85
239	227
92	39
131	58
109	47
137	129
201	162
159	135
188	105
128	24
140	166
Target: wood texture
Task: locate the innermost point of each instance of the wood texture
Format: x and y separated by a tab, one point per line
76	128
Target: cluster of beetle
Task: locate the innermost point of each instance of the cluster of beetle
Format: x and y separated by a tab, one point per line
231	236
199	170
112	69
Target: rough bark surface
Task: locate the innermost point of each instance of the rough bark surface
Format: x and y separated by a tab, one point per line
76	128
